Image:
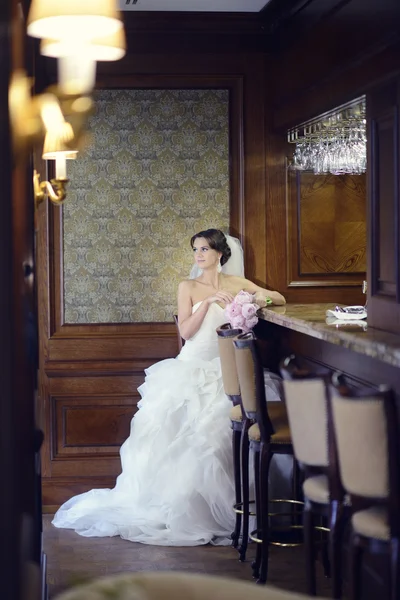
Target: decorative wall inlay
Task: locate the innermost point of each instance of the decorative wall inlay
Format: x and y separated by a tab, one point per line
332	226
326	236
155	172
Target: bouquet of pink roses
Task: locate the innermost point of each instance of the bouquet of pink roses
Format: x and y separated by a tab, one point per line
242	312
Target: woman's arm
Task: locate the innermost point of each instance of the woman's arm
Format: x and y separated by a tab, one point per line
252	288
190	323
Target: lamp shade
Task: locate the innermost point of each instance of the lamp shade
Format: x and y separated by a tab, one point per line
55	143
107	48
73	19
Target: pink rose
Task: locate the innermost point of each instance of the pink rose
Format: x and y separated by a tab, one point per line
249	310
238	322
232	310
243	298
250	323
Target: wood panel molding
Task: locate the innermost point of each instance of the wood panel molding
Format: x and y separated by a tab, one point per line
90	425
326	233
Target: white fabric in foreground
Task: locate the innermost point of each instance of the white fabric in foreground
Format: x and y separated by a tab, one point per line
174	585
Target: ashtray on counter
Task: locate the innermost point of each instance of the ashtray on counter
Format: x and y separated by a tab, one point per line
348	313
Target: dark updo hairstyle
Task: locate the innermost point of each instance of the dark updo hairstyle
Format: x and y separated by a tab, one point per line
216	240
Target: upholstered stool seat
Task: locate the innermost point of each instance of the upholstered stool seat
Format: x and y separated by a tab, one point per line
317	489
281	436
279	421
236	414
372	522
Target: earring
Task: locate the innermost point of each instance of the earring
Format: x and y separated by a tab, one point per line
219	268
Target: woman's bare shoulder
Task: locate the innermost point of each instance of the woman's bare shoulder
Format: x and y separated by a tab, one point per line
234	279
233	283
187	284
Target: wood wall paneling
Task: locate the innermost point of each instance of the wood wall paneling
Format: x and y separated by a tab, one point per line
331	52
326	229
321	55
383	105
284	233
90	426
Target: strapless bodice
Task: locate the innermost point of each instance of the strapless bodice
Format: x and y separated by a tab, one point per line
204	343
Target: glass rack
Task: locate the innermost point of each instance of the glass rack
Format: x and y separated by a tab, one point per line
334	142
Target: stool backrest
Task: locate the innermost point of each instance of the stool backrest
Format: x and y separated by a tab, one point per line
230	378
306	401
367	433
251	381
362	441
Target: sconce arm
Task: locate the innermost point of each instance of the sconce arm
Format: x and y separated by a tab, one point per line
55	190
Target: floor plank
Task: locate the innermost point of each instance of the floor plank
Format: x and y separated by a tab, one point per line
72	559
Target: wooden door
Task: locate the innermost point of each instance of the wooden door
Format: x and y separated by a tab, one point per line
20	522
383	105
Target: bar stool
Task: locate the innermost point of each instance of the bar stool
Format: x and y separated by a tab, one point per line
240	445
310	420
367	431
241	423
268	435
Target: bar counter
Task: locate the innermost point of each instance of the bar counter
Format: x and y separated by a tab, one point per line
311	320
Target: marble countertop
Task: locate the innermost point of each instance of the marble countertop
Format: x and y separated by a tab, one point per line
311	319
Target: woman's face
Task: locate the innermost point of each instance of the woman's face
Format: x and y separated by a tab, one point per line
205	256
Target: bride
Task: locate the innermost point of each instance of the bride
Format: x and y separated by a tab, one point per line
176	485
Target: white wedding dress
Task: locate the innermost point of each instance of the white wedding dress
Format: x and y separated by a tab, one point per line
176	487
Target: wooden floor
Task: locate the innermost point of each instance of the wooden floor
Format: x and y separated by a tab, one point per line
72	558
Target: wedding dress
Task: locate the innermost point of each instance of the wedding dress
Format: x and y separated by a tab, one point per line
176	487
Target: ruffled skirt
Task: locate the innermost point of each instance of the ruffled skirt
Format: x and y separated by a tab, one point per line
176	486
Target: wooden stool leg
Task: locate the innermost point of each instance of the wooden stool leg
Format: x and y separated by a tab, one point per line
395	568
309	547
236	435
326	563
355	566
296	492
337	522
256	563
244	453
265	460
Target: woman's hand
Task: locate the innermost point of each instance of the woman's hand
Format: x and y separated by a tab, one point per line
262	300
220	296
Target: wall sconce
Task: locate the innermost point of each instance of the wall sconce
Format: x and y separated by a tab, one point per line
78	33
55	148
77	62
74	19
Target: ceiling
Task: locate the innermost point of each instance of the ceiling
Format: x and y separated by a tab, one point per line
194	5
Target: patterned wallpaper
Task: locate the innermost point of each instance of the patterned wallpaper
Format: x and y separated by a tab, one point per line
156	171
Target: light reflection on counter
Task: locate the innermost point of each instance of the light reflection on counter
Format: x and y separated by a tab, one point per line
353	325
